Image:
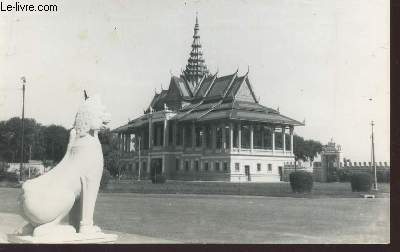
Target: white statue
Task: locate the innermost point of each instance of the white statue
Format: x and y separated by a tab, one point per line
70	189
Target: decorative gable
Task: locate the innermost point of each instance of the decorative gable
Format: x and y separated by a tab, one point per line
173	90
245	92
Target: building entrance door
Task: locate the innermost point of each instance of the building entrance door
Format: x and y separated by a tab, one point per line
247	172
280	173
155	167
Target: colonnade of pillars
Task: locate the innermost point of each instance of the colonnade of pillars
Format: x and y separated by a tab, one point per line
215	136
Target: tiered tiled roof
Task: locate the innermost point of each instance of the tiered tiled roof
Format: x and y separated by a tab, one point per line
196	68
223	100
198	96
217	98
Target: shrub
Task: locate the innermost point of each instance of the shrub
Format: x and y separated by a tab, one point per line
344	175
34	172
158	179
383	176
3	167
105	178
361	182
9	176
301	181
333	177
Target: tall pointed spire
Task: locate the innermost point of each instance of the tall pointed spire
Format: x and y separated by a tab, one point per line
195	68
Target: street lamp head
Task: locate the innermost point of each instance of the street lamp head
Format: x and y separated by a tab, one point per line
23	79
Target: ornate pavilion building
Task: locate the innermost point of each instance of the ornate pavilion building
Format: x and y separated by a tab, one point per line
208	127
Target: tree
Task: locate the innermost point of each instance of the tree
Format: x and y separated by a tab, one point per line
40	142
112	155
55	142
312	149
10	139
305	150
299	148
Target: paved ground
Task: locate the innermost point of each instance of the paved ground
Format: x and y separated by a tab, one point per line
148	218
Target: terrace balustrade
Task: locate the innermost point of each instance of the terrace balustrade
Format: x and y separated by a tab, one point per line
209	137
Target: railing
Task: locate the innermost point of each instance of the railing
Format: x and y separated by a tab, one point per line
201	150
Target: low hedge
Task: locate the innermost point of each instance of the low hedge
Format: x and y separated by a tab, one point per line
344	175
361	182
158	179
333	177
105	178
9	176
301	181
383	176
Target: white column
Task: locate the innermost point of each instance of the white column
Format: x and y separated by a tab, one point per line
150	134
283	139
166	134
231	136
119	141
223	137
203	137
291	139
273	139
163	164
148	162
251	137
124	142
239	136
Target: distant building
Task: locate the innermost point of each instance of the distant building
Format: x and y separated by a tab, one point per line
36	166
208	127
329	166
330	162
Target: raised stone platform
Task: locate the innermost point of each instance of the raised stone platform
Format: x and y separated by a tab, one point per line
72	238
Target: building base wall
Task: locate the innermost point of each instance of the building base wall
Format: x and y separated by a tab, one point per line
200	176
250	168
261	178
217	167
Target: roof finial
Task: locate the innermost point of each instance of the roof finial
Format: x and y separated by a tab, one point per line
248	69
197	18
196	68
85	95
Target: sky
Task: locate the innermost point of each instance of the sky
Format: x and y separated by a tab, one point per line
322	61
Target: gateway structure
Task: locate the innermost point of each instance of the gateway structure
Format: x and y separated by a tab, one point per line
208	127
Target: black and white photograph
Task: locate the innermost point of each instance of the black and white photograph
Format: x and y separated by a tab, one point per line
195	122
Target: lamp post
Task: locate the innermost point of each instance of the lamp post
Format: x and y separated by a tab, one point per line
373	156
23	79
139	159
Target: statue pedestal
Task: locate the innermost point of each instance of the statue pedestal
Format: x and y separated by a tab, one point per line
71	238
